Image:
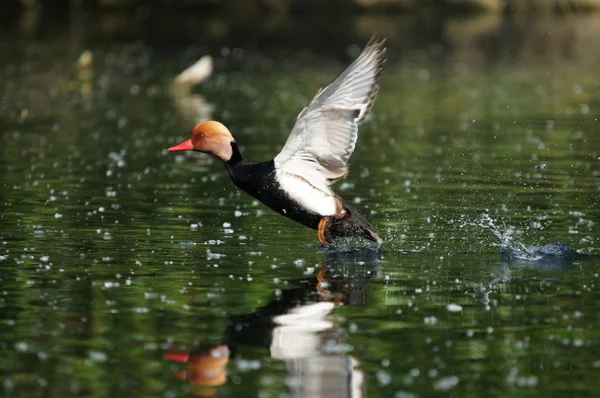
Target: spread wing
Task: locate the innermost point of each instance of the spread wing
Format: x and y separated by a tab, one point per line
326	130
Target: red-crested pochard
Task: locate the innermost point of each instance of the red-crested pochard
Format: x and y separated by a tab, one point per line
297	183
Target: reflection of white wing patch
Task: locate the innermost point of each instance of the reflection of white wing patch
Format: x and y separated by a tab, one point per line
295	335
306	195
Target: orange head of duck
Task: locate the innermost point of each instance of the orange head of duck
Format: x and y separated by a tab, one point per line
209	137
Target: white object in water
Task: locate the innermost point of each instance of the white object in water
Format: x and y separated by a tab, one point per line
196	73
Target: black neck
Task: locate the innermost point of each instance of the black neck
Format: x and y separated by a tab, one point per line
236	156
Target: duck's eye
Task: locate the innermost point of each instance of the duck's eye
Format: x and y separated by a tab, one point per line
201	135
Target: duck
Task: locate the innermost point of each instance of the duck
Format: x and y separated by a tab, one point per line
297	182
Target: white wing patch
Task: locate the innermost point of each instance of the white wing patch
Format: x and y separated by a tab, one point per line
306	195
325	134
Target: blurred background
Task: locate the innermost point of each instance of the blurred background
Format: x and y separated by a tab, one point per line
519	27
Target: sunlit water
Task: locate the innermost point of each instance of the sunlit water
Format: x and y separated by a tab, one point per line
130	271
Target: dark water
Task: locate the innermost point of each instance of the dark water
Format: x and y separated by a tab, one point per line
129	271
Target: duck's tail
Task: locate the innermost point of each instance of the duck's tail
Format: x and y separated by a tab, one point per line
355	224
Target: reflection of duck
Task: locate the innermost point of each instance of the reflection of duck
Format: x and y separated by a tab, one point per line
205	368
295	327
297	182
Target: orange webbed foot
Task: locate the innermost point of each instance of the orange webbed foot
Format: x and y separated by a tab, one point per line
324	230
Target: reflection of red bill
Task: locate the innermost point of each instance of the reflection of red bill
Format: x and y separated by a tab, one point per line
181	357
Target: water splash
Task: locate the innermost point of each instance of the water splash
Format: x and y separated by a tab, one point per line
514	250
351	244
506	236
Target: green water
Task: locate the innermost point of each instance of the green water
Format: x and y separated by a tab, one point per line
118	258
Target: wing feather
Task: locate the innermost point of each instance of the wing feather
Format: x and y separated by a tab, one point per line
325	133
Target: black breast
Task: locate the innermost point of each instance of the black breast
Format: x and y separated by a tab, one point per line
259	180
